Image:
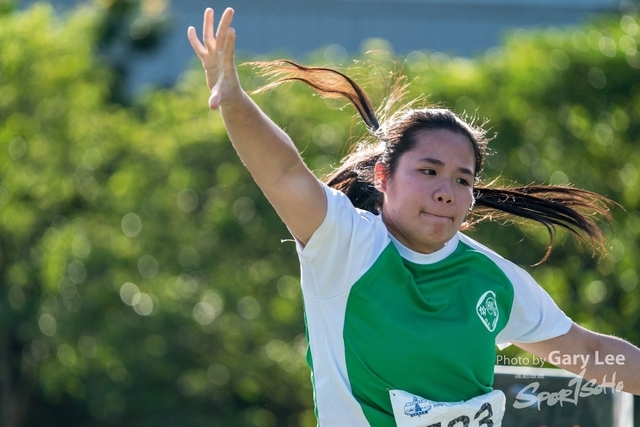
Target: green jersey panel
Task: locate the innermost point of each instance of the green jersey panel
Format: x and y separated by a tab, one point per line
412	326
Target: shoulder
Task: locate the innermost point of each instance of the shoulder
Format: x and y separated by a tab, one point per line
345	221
515	273
343	248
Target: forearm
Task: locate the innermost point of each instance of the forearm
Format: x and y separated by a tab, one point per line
264	148
614	362
595	356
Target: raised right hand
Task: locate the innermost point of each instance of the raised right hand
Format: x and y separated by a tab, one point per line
216	55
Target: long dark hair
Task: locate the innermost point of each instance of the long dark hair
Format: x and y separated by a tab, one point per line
552	206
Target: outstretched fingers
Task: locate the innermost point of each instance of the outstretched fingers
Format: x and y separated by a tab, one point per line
228	52
223	28
200	50
207	30
216	53
210	43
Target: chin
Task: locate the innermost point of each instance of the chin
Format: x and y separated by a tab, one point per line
438	236
431	245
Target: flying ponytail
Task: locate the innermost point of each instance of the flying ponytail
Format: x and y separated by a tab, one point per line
566	207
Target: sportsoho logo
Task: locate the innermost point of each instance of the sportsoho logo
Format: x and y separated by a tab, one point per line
487	310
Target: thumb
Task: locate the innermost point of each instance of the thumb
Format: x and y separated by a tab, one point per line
214	99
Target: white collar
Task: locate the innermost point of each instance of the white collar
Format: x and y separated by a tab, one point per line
420	258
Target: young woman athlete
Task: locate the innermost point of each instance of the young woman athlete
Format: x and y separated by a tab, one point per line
403	310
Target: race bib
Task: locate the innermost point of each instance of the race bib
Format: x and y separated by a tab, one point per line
414	411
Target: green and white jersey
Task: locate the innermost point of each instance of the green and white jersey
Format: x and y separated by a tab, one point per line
382	317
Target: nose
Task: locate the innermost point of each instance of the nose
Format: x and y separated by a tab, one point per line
444	194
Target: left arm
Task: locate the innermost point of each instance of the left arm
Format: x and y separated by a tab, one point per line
599	356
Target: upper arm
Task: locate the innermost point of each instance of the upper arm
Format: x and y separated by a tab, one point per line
300	201
276	166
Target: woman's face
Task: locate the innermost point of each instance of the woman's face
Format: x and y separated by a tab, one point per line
428	196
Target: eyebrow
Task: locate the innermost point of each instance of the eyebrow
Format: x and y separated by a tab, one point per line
439	162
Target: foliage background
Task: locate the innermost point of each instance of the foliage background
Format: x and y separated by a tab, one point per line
146	281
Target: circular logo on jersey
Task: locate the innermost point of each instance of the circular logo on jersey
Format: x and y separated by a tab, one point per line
487	310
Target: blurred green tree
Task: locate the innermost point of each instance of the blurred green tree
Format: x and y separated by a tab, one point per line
143	276
6	6
126	28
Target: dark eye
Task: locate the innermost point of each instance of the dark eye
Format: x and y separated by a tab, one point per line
429	171
463	182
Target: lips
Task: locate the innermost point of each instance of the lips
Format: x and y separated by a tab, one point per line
436	216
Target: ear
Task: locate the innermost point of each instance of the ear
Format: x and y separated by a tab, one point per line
380	177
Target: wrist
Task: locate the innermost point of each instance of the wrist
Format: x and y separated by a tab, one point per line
235	102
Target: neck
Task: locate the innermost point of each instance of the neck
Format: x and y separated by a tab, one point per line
406	239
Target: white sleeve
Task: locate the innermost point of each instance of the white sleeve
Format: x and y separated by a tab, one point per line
534	315
342	249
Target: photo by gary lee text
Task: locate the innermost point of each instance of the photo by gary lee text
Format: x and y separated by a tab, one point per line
559	359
